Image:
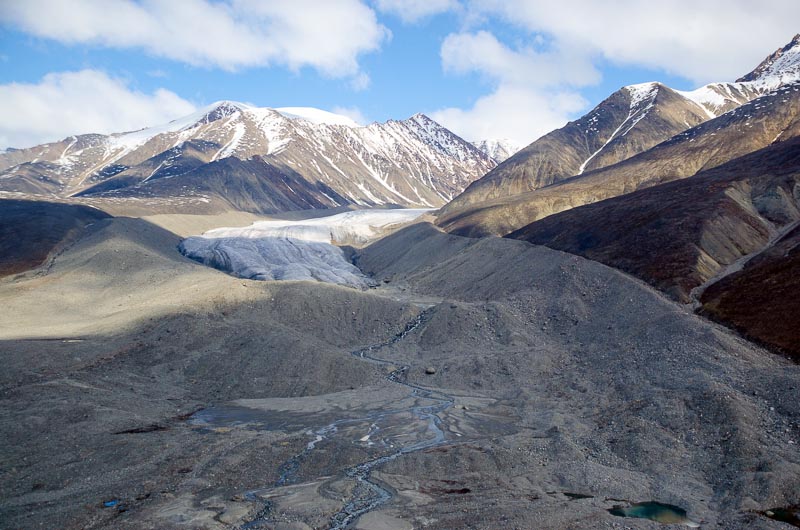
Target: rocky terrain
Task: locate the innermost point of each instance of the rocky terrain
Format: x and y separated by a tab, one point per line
679	235
762	300
231	156
640	136
144	390
744	130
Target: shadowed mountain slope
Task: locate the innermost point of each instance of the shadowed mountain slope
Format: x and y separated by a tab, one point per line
678	235
762	301
31	231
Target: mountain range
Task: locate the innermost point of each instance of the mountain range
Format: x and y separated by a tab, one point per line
708	216
639	136
235	156
166	366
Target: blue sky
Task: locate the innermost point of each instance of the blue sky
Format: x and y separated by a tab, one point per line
487	69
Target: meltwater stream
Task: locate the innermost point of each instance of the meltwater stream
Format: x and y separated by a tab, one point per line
368	494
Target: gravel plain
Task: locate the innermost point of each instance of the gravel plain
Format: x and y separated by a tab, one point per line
143	390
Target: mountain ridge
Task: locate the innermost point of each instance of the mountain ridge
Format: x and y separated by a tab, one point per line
552	168
412	162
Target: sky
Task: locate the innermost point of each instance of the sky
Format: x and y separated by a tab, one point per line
486	69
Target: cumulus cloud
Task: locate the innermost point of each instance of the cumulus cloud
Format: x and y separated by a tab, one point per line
535	86
410	11
482	52
516	113
533	91
712	40
86	101
328	36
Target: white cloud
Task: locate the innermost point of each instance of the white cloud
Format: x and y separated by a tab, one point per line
87	101
354	113
482	52
410	11
328	36
360	82
516	113
533	92
535	86
712	40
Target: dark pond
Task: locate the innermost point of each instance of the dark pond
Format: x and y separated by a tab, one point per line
655	511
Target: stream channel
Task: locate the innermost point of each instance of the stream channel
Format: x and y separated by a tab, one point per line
368	494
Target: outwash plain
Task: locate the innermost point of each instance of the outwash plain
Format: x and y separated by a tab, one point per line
484	383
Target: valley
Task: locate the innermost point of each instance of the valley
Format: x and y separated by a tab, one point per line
279	318
480	397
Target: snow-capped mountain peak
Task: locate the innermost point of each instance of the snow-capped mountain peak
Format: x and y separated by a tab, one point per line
222	109
643	92
498	149
421	118
317	116
781	67
306	157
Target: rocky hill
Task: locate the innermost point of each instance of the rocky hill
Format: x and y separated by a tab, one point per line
680	235
762	301
31	232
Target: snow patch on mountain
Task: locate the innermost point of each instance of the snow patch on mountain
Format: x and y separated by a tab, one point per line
317	116
498	150
641	93
642	97
780	68
708	98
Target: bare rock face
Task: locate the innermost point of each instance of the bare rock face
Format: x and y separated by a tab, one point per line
321	159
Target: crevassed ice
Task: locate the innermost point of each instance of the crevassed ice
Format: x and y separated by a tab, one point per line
295	250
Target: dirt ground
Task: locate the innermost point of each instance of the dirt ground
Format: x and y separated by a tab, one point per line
526	388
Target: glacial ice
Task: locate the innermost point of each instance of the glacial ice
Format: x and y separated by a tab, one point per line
295	250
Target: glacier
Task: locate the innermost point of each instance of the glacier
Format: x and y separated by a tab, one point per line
296	250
